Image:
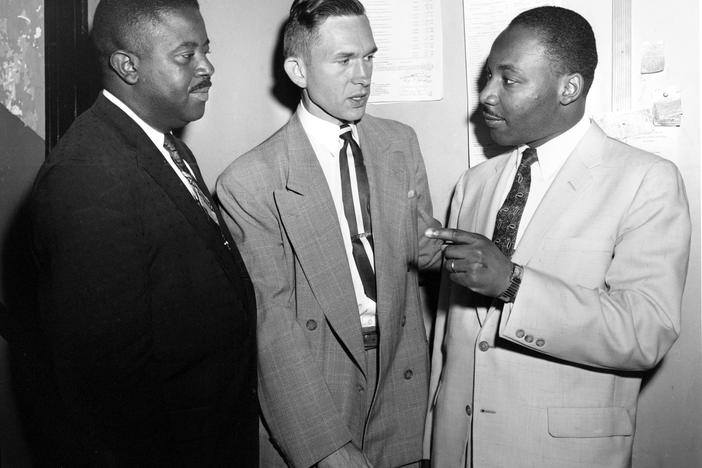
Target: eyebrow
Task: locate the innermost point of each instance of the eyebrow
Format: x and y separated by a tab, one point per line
342	54
193	44
511	68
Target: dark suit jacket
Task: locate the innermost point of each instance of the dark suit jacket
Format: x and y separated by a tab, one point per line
147	308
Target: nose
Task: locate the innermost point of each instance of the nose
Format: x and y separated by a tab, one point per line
362	72
205	67
488	96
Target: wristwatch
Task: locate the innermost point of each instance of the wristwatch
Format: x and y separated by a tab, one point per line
515	280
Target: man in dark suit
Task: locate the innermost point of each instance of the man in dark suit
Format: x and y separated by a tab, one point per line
145	303
329	214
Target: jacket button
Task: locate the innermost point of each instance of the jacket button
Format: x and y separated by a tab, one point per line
528	338
360	388
469	410
540	342
404	320
520	333
483	346
408	374
311	325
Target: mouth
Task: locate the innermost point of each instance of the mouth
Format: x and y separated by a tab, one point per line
201	90
359	99
492	120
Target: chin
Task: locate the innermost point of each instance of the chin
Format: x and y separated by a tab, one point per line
503	140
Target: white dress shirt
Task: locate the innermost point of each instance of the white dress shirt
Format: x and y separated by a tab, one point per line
154	135
552	156
324	137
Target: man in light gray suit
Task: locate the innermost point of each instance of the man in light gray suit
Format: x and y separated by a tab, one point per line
329	214
545	328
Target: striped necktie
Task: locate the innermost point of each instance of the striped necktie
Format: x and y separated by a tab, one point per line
365	269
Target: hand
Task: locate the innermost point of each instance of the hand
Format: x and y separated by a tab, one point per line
348	456
474	261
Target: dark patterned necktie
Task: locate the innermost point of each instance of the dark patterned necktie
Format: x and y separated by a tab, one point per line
198	192
509	215
365	270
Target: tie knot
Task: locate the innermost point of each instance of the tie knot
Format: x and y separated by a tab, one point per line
169	143
529	157
345	132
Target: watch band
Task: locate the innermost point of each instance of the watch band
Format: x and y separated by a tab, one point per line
515	280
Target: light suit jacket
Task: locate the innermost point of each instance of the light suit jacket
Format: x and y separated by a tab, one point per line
553	379
312	364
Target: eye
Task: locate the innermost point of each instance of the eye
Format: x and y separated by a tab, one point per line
508	81
344	60
369	58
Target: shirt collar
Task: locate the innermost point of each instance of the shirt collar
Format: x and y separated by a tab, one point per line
154	135
554	153
322	132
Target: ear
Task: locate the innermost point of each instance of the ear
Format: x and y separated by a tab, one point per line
295	69
571	88
125	65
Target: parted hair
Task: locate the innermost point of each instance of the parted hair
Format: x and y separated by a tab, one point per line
120	24
567	37
305	18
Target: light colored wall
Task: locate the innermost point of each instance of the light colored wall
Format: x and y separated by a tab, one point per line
669	426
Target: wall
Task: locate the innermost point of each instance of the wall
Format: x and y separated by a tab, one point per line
669	426
21	153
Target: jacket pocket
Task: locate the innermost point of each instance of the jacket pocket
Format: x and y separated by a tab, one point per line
589	422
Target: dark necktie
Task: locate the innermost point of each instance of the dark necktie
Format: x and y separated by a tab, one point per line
198	192
509	215
365	270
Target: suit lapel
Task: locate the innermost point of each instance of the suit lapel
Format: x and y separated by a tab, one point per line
387	178
308	214
150	159
574	176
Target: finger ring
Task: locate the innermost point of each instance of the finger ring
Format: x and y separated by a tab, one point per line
453	266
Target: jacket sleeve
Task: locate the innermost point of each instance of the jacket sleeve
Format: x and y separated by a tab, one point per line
95	308
297	405
633	318
430	253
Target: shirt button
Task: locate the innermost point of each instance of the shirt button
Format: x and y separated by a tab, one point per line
528	338
469	411
520	333
404	320
483	346
411	194
408	374
311	325
540	342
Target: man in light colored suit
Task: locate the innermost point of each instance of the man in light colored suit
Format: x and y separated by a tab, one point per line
329	214
540	349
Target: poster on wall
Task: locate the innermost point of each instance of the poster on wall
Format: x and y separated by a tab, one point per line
409	62
22	61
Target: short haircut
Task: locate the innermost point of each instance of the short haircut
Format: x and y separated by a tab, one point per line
120	24
567	37
306	16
